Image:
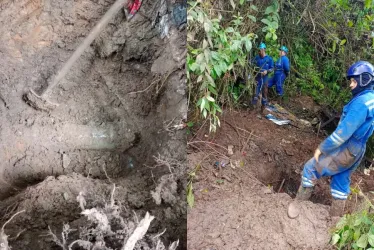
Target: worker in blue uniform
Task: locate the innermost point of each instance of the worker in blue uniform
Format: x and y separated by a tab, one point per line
281	72
341	153
265	66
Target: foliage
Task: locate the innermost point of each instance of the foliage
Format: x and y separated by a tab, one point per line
190	194
215	53
325	82
218	48
272	21
355	231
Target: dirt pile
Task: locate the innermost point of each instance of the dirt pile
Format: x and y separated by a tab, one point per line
121	104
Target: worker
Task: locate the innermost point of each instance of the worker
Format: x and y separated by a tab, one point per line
281	72
132	7
340	154
266	65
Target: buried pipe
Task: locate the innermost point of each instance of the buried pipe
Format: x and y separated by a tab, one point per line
34	154
68	136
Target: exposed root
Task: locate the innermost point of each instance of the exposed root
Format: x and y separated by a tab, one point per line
4	245
139	232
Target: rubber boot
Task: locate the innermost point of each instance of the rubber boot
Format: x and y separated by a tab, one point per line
262	109
337	208
303	194
279	100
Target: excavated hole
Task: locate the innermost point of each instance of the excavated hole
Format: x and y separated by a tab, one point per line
284	182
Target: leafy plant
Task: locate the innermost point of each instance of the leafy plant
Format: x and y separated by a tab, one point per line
215	53
355	231
271	20
190	194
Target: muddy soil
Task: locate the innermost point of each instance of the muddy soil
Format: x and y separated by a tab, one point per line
243	205
119	108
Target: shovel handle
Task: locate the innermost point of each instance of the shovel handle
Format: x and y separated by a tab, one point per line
86	43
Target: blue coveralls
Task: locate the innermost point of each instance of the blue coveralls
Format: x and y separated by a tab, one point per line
282	69
344	149
265	63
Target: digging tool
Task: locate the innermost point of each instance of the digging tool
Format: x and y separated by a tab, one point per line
41	102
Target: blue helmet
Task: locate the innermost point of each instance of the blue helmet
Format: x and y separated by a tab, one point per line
362	71
284	48
262	46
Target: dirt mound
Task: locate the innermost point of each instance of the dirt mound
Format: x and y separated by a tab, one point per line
252	218
122	104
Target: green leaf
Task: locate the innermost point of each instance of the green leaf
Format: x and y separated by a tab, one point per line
218	108
367	221
363	241
212	89
248	44
205	113
371	240
270	9
241	2
211	99
210	79
254	7
207	105
345	236
342	42
200	58
230	30
275	36
253	18
368	4
194	67
199	79
190	124
335	239
190	196
205	44
357	234
214	55
202	105
207	55
357	222
268	36
266	21
217	69
350	23
236	45
274	25
208	26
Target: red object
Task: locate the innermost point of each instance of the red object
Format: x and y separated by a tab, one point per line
134	6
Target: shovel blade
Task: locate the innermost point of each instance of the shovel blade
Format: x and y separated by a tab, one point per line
38	102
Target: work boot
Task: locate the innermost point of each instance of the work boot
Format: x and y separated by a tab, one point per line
337	208
262	109
303	194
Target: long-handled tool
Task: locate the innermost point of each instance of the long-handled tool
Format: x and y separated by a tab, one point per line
40	102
